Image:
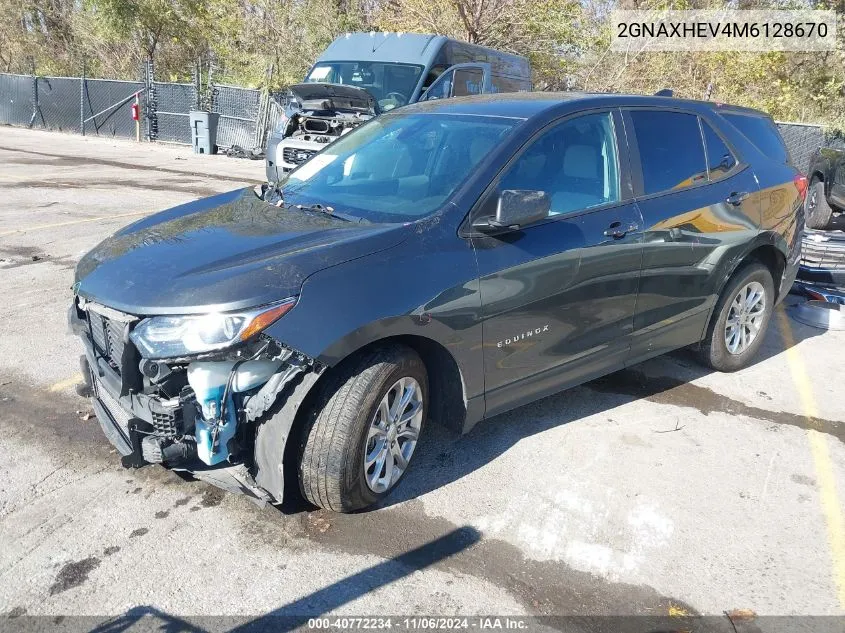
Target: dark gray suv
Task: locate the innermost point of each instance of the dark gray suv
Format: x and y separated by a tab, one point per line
442	263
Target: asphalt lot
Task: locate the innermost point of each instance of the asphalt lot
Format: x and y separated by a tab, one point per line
662	489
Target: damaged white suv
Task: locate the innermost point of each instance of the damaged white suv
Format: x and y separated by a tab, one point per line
361	75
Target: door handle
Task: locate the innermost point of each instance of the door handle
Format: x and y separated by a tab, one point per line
616	231
736	198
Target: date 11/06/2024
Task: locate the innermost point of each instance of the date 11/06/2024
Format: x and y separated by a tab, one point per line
419	623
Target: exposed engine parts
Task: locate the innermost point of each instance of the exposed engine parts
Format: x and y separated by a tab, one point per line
307	132
322	127
318	114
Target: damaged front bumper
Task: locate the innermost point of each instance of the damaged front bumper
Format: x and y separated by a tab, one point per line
201	415
286	154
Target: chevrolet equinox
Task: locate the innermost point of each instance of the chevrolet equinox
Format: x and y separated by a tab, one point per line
442	263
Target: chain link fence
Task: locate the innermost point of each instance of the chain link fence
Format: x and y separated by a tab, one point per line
70	104
801	140
174	102
103	107
57	103
239	114
16	99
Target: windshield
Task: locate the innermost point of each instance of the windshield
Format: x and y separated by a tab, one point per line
392	85
396	168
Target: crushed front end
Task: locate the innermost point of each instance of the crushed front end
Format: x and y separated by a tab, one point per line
159	402
316	115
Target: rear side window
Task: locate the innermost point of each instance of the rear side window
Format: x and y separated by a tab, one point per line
671	151
720	159
762	132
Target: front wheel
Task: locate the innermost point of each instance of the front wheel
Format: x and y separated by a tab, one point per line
364	430
740	319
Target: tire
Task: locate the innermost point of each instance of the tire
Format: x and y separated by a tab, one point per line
331	467
714	351
817	211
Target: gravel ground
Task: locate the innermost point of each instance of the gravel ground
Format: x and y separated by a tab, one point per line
663	489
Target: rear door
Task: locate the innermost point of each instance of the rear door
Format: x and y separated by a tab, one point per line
697	201
460	80
559	295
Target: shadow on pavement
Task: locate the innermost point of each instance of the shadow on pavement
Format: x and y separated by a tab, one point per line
444	457
296	614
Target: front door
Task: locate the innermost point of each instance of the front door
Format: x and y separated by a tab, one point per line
460	80
559	296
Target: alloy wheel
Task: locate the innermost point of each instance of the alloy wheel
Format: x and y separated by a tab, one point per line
392	435
745	317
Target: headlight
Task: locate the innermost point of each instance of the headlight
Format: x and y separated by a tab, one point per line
174	336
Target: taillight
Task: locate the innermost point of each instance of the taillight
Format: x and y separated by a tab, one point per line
801	185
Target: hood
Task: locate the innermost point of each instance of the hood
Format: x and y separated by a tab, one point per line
226	252
324	96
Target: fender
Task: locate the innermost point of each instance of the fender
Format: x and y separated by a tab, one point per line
405	296
735	257
271	437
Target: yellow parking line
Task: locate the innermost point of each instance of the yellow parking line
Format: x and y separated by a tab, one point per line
64	384
831	505
39	227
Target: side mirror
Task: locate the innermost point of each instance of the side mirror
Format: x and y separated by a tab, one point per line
515	208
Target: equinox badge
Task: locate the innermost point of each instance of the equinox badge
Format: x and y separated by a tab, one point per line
523	336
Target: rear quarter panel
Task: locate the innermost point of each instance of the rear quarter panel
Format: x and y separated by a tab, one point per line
781	206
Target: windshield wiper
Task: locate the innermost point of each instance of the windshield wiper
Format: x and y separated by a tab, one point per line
270	193
319	208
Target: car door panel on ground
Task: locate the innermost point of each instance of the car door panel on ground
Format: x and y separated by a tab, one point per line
559	296
698	200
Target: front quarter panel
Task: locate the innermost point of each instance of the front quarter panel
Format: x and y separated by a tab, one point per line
427	287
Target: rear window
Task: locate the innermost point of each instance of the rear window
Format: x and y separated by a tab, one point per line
671	151
762	132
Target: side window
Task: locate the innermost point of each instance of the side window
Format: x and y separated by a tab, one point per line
575	162
671	152
468	81
442	89
432	75
720	159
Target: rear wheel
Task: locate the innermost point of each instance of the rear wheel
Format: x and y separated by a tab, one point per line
817	211
740	320
364	430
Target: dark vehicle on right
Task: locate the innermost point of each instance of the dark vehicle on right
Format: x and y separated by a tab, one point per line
445	262
826	195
